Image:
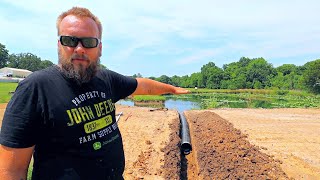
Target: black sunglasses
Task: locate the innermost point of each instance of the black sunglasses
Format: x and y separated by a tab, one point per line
72	41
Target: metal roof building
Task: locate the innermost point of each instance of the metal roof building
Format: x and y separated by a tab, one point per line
14	72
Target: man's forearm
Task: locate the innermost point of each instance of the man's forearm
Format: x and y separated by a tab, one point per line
151	87
13	175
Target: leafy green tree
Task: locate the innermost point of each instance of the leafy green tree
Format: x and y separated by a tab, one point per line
175	80
205	71
279	81
235	74
4	56
13	61
195	80
214	79
45	63
184	81
286	69
312	76
137	75
244	62
238	72
211	76
288	77
259	70
25	61
165	79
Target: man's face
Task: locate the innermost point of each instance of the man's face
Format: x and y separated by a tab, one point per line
78	62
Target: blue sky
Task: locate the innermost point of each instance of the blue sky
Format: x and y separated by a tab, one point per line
173	37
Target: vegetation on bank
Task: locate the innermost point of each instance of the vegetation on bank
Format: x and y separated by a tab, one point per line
253	91
250	98
148	98
241	98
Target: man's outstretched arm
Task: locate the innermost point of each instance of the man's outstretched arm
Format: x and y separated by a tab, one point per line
151	87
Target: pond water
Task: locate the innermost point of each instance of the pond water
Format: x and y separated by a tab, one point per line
179	105
225	100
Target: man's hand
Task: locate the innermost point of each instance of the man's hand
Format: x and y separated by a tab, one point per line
179	90
151	87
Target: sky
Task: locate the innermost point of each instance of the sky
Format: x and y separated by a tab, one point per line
173	37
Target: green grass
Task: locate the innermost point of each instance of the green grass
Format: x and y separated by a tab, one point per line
248	100
145	98
5	88
233	91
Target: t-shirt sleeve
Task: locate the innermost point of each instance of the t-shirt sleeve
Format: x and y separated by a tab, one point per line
19	125
122	86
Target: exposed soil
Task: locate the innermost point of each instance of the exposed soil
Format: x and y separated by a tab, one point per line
222	152
2	109
291	135
151	142
259	144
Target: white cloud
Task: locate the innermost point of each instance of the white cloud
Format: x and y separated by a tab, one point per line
199	55
188	31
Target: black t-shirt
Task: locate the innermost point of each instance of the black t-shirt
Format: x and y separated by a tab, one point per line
73	127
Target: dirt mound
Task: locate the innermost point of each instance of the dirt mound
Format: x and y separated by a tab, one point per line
151	143
222	152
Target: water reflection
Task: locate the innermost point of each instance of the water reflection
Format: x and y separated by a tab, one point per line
179	105
224	100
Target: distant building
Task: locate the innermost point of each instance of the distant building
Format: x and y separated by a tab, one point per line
14	72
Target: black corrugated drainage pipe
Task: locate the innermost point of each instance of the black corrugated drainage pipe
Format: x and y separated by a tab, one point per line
185	135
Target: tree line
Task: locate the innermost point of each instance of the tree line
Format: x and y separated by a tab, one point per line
27	61
255	73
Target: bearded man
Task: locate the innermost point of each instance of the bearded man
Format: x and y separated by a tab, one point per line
65	115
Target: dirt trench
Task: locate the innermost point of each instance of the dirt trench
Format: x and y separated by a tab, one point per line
222	152
219	150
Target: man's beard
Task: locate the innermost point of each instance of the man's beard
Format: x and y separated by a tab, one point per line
79	73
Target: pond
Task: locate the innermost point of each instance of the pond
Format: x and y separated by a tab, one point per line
231	100
179	105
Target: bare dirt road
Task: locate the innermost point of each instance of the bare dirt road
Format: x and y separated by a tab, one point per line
228	143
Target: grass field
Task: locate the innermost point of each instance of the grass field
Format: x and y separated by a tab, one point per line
5	89
5	96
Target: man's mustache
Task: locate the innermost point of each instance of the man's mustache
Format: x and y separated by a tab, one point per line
80	56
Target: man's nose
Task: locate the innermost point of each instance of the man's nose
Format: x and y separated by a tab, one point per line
79	49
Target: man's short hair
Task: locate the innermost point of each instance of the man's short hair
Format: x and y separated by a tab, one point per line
80	12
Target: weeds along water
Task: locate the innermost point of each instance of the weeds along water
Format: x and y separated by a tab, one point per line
250	100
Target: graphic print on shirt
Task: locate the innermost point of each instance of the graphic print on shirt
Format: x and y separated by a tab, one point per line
96	119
